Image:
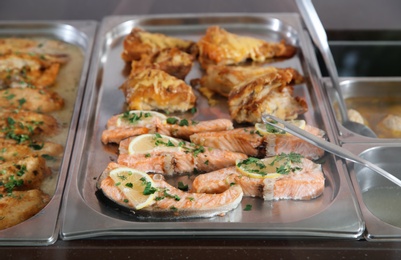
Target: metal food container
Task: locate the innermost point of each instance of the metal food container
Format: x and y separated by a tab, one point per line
377	91
84	215
379	199
43	228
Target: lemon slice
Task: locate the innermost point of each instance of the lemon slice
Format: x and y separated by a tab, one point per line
265	129
257	168
153	142
139	118
137	186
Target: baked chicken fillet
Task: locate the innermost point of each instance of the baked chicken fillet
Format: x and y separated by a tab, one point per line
223	79
220	47
26	62
153	89
32	99
20	206
268	94
141	43
173	61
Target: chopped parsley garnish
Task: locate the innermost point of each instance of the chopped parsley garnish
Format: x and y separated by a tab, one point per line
129	185
182	187
148	187
286	161
248	207
193	110
172	120
48	157
133	117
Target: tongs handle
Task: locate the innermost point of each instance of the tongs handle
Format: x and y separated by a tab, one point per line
319	37
327	146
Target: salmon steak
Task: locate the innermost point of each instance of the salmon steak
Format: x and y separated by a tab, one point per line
171	202
304	181
179	158
252	143
134	123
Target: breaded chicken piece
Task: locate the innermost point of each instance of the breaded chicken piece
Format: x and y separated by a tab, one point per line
11	150
38	100
141	43
20	206
22	70
267	94
14	123
23	174
53	50
153	89
222	79
173	61
219	47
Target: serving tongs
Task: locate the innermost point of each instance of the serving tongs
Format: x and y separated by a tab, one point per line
327	146
319	37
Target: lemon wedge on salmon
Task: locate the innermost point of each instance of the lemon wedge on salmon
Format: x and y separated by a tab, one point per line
153	142
139	117
265	129
137	186
257	168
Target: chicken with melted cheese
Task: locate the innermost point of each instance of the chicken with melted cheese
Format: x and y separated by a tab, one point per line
153	89
141	43
222	79
220	47
270	94
173	61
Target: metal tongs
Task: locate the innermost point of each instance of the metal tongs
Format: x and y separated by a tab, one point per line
327	146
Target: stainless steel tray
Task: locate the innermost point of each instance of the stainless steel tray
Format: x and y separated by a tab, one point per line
334	214
379	198
43	228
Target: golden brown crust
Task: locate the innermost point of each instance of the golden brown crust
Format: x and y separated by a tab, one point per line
38	100
266	94
173	61
140	43
20	206
220	47
222	79
153	89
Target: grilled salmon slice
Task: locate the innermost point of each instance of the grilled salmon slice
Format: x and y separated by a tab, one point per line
171	202
304	184
188	158
252	143
126	125
20	206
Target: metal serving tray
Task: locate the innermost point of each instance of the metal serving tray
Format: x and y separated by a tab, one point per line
379	198
334	214
378	88
43	228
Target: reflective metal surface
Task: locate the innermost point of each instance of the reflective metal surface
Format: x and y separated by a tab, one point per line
42	229
267	219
